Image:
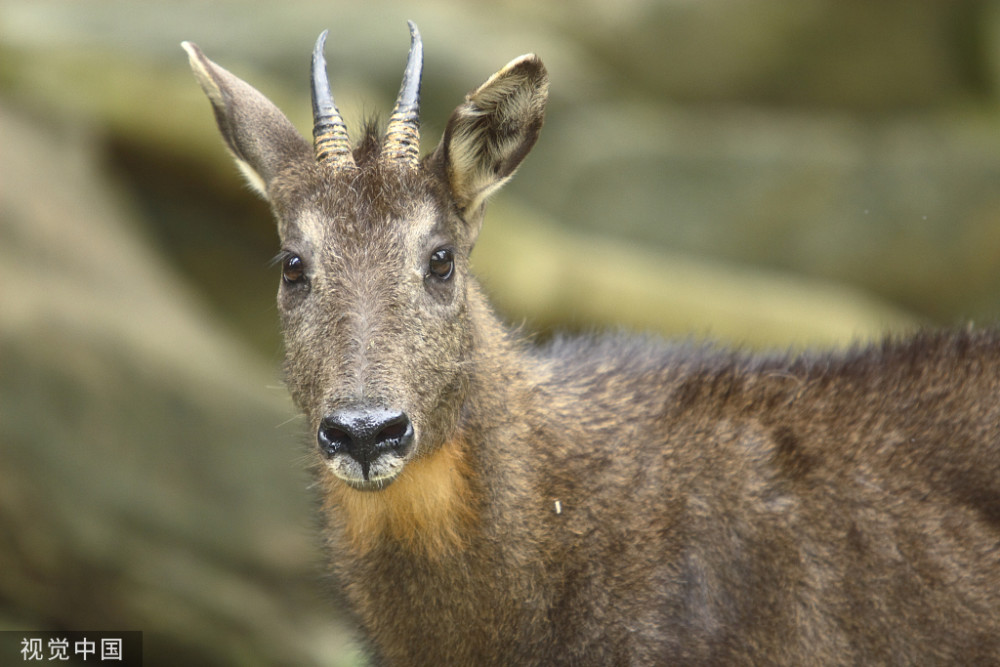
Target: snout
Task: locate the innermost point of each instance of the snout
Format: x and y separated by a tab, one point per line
366	447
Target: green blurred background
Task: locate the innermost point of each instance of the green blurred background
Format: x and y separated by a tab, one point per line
769	174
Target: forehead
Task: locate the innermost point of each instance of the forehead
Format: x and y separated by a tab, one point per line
358	205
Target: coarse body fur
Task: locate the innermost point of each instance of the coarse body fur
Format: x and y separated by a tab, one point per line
611	500
713	508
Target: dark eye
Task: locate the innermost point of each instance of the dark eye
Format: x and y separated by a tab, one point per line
441	264
293	270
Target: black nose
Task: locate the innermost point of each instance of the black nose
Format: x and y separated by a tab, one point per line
365	434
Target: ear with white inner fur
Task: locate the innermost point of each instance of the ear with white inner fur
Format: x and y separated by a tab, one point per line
260	137
487	137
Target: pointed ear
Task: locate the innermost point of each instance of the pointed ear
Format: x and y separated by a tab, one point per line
487	137
260	137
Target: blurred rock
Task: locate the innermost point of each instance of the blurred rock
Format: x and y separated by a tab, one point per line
149	479
588	282
906	208
844	54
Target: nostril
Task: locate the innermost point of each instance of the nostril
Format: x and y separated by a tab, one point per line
333	437
394	431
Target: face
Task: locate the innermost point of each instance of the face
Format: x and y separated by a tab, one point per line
373	313
374	252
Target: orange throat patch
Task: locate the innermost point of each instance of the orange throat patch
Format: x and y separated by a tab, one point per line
428	509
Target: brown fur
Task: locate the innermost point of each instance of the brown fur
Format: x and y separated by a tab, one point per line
613	500
429	509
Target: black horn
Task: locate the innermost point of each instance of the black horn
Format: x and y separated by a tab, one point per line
330	138
402	136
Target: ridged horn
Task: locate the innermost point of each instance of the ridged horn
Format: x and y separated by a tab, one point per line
330	140
402	135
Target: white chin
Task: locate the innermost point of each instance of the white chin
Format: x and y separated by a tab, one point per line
381	472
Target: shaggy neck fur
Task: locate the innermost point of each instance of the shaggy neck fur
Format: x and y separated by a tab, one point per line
429	509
